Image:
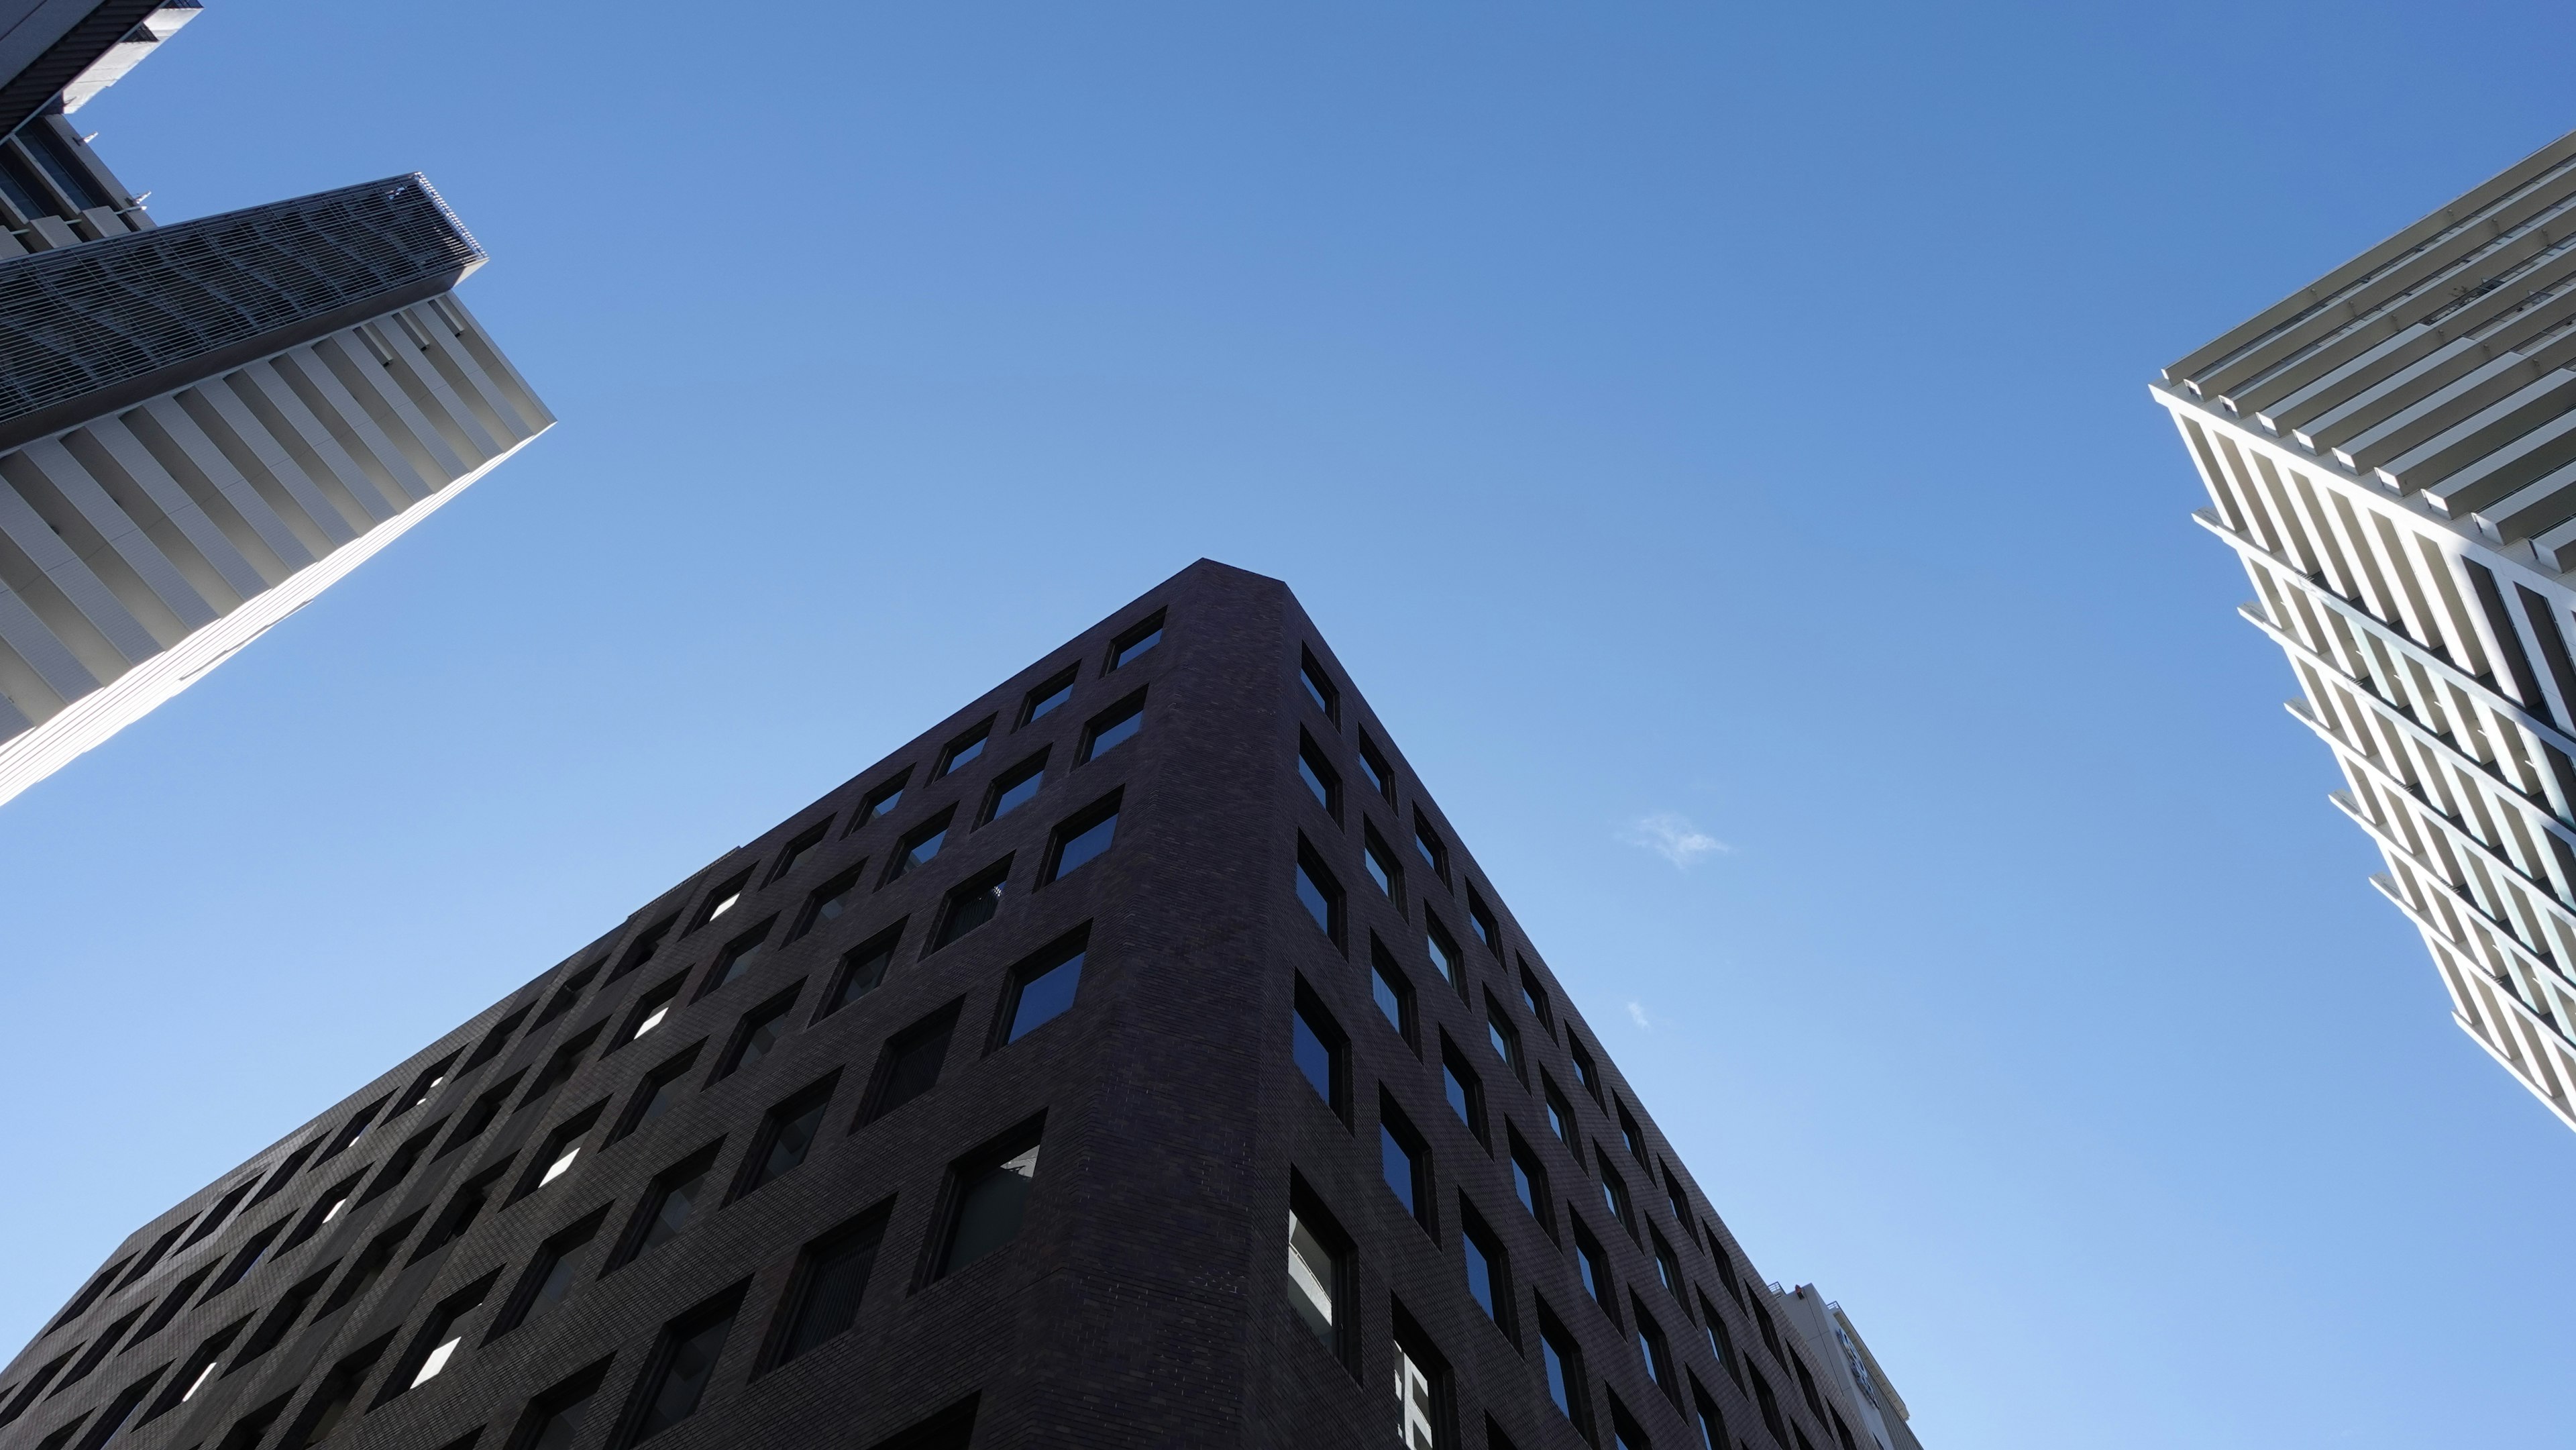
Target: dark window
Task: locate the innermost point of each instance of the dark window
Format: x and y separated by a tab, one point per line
1465	1091
565	998
36	1386
1426	1399
194	1372
348	1135
463	1208
1770	1335
1594	1267
660	1089
1769	1404
329	1407
476	1119
285	1173
1112	727
370	1265
1319	1271
1319	775
118	1411
438	1340
1136	641
1654	1349
1435	854
1319	686
1584	1072
98	1350
758	1034
721	900
653	1008
1373	765
683	1361
433	1077
909	1064
560	1067
668	1204
1444	952
494	1040
408	1157
1529	1184
1625	1432
1046	697
1720	1343
1489	1280
787	1135
831	1278
215	1219
1383	868
279	1322
738	957
1480	918
1631	1134
645	946
881	800
1560	1113
971	904
555	1419
1807	1388
988	1197
171	1304
1534	997
1080	839
1404	1160
1388	987
1318	892
561	1149
549	1275
1042	987
1677	1200
1015	787
802	842
246	1433
918	846
1564	1365
829	902
1503	1037
1668	1268
1712	1423
1725	1264
328	1208
246	1258
862	970
1614	1193
963	750
1320	1050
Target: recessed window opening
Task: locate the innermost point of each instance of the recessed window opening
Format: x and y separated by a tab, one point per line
739	956
1560	1113
438	1340
1318	686
1015	787
1584	1072
787	1135
1427	841
555	1419
349	1134
1319	1271
918	846
1444	952
721	900
565	997
1423	1390
1136	641
1383	868
1489	1280
560	1150
549	1276
1320	1051
1322	781
370	1265
478	1117
1404	1161
1318	891
830	901
561	1066
909	1064
1112	728
973	903
1465	1091
965	749
681	1365
493	1041
881	801
1654	1349
1043	986
1534	997
1593	1267
653	1008
660	1089
1625	1432
1481	918
1563	1363
798	845
1529	1184
1503	1037
1373	766
862	970
758	1033
646	945
1632	1135
1614	1194
215	1219
1668	1268
1083	838
668	1204
335	1200
830	1280
463	1209
1390	989
1050	695
433	1077
989	1197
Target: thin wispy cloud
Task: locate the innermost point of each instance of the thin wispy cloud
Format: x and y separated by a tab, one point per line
1670	834
1637	1013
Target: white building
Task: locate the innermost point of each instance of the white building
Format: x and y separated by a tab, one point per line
1849	1374
2391	452
202	425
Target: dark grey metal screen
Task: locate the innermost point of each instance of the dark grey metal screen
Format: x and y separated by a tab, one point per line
83	320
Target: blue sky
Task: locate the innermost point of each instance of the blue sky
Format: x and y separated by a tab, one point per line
1734	417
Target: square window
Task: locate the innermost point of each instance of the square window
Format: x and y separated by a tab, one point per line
668	1204
1321	1052
660	1089
1427	842
1319	686
1112	728
1373	765
1720	1343
1503	1037
787	1135
1014	788
988	1199
797	847
559	1151
1043	987
1319	1271
909	1064
1614	1194
1393	994
653	1008
1082	839
682	1363
1631	1134
1320	778
882	800
739	956
1564	1365
646	944
1668	1268
1534	997
549	1275
1128	646
829	902
1480	918
1404	1160
861	971
1489	1280
1594	1266
721	900
1529	1184
438	1340
965	749
1653	1349
1584	1072
1560	1113
1444	953
1318	892
757	1034
1465	1091
1677	1200
1383	868
1050	695
830	1280
919	846
566	997
971	904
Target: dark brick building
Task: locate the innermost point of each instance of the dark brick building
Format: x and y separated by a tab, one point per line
1134	1059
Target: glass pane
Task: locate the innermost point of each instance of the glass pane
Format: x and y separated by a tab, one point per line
1136	647
672	1211
1049	701
1079	849
795	1139
989	1212
1315	693
970	912
1480	1277
1502	1040
763	1036
1317	904
1457	1091
1112	735
1314	1059
1017	793
1441	957
1397	1165
684	1380
1377	871
1315	783
1389	1000
1413	1393
1522	1188
863	977
885	803
1310	1279
966	753
1045	996
831	1303
1559	1378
